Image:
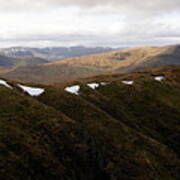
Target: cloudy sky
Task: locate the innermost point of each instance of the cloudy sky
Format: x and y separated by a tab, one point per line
114	23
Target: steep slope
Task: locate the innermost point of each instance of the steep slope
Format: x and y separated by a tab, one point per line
127	60
112	131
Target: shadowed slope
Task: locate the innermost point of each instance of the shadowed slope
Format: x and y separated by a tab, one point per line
115	131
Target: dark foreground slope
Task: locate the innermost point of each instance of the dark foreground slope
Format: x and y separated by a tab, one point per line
116	131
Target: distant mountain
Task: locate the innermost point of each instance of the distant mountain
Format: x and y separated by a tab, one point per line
53	53
109	130
126	60
10	62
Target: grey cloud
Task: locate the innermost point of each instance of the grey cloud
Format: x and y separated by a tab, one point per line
140	28
118	40
153	6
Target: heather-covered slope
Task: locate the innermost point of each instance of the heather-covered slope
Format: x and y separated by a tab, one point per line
115	131
127	60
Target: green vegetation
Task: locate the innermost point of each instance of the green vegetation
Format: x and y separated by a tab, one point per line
115	132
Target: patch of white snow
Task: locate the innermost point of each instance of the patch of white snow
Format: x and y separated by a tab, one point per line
73	89
4	83
159	78
103	83
93	85
128	82
32	91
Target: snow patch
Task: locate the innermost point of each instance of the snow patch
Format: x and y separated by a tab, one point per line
73	89
4	83
128	82
93	85
32	91
159	78
103	83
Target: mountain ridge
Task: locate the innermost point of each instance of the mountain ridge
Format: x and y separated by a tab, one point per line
126	60
53	53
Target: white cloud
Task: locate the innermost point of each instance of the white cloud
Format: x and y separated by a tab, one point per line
152	5
105	22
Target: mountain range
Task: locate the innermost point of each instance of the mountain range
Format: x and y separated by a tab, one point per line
10	62
106	127
125	60
52	53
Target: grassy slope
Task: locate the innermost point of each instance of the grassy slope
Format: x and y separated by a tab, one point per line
114	132
47	74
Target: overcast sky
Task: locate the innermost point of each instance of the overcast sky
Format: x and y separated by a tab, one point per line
114	23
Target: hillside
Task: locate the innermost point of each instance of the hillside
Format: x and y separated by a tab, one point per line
108	127
49	74
127	60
